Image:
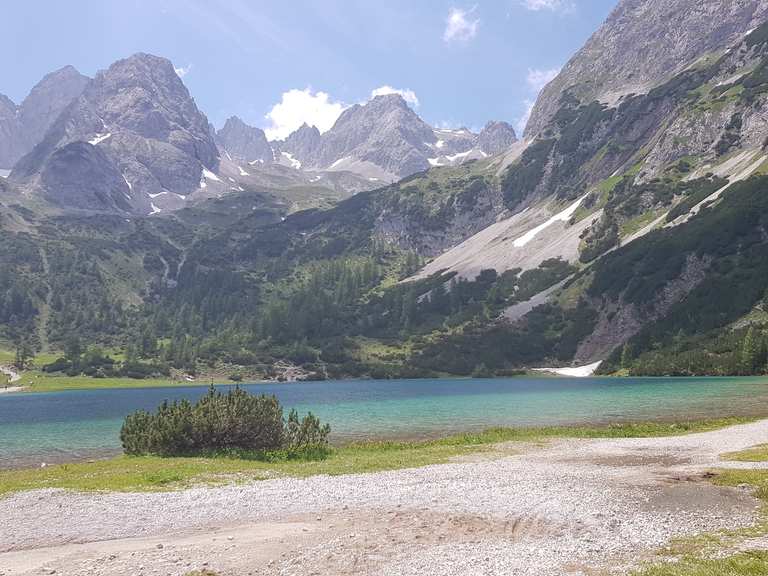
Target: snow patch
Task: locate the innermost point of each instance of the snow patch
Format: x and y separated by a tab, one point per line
99	138
575	372
242	172
459	157
439	143
155	209
338	162
257	161
294	163
153	196
130	186
563	216
208	175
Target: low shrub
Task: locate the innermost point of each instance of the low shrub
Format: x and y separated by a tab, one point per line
235	422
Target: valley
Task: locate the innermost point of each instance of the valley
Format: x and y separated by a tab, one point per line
349	335
598	187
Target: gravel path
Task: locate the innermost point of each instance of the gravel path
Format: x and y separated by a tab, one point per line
565	508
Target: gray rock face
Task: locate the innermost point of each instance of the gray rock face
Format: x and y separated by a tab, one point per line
642	44
22	127
385	132
496	137
303	144
79	175
9	132
140	114
243	142
47	100
386	138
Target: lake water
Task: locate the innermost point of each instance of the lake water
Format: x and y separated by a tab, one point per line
60	426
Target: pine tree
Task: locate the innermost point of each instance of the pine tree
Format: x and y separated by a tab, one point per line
627	355
750	350
24	353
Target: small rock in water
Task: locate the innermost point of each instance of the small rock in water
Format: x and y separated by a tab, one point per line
159	546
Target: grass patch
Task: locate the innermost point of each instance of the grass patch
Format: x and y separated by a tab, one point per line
744	564
38	381
755	454
152	473
638	223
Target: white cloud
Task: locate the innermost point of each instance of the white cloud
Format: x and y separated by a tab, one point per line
551	5
408	95
537	79
460	25
299	106
182	71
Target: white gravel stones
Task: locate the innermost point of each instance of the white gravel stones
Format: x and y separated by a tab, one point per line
574	501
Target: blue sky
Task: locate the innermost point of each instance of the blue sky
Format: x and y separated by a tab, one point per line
458	64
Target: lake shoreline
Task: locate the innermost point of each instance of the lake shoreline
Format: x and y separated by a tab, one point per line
536	508
84	424
599	429
133	383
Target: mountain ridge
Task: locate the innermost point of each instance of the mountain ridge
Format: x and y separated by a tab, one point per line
628	231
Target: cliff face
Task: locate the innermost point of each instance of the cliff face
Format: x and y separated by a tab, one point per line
151	137
641	45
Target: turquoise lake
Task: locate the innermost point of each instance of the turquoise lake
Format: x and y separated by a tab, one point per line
62	426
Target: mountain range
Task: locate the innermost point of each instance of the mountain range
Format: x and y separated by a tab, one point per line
627	227
132	140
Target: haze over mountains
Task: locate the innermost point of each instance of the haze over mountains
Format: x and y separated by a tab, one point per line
627	227
132	140
22	126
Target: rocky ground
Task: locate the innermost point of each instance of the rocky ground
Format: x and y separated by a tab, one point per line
569	507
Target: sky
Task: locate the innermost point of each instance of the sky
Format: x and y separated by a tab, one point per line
278	64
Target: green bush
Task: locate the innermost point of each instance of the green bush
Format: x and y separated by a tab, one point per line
234	422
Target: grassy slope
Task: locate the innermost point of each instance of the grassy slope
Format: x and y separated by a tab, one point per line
38	381
154	473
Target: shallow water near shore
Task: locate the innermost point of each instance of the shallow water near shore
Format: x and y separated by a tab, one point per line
63	426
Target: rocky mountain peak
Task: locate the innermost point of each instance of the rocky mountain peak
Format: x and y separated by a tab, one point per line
384	132
144	94
642	44
302	144
7	104
243	142
496	137
151	132
47	100
23	126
